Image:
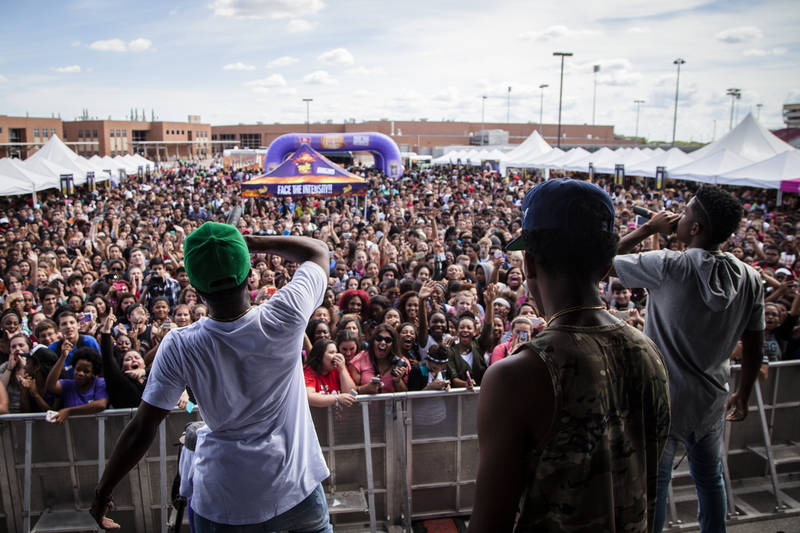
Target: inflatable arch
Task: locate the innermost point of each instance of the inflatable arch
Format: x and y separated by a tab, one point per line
387	155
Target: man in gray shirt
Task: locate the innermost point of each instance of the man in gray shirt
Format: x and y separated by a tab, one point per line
701	302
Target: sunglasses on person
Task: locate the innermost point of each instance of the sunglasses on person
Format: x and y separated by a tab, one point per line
387	340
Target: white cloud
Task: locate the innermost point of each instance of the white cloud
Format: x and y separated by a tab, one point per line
336	57
363	71
283	61
173	11
139	45
68	69
118	45
552	33
638	29
265	9
300	26
742	34
264	84
109	45
3	79
319	77
75	43
758	52
286	91
238	66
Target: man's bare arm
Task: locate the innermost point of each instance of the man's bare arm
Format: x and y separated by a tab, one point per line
295	249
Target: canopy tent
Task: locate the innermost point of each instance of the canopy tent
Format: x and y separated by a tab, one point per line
537	162
672	158
129	167
306	173
635	156
137	161
602	157
531	148
748	139
52	171
567	158
16	179
707	168
55	151
767	174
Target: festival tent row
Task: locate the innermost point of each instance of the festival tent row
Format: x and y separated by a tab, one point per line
44	169
306	173
468	157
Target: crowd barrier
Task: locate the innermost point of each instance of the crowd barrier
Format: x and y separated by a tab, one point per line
394	459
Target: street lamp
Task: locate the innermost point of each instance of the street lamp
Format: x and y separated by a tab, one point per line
638	104
678	62
541	104
483	115
561	91
594	97
308	122
735	94
508	106
758	111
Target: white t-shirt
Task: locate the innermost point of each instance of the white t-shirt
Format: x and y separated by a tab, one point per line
259	455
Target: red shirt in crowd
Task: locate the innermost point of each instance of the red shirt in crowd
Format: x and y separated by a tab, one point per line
325	384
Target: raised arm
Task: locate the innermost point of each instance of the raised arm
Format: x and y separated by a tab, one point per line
53	385
129	449
3	400
295	249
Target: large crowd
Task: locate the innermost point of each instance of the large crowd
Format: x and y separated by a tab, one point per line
421	293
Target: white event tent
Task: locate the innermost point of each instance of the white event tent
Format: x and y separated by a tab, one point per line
706	168
567	158
672	158
523	155
767	174
55	151
16	179
748	139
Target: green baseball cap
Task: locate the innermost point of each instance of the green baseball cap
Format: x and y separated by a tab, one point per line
216	257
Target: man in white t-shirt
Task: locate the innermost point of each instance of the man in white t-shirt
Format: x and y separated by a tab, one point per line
258	463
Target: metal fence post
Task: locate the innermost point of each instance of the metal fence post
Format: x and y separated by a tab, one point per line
162	465
26	494
773	474
368	460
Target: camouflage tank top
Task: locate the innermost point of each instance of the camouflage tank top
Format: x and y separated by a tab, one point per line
597	470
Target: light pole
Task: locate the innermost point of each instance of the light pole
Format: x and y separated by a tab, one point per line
308	122
758	111
735	94
594	97
638	104
678	62
508	107
561	91
541	105
483	115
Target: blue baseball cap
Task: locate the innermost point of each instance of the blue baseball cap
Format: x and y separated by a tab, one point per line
561	204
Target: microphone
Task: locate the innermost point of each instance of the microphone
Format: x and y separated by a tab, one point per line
642	212
234	216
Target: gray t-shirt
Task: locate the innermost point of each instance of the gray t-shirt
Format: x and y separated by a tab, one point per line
699	305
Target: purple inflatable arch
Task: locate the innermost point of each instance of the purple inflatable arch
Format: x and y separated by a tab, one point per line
387	155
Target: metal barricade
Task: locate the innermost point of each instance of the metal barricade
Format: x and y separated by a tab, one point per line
394	459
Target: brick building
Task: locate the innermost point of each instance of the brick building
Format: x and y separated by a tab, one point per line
422	137
154	140
21	136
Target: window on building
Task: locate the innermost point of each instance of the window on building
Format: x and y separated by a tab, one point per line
213	137
118	134
52	131
183	132
80	134
44	133
35	132
113	153
111	133
250	140
124	133
94	134
1	130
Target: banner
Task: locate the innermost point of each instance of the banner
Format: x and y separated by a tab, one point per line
304	189
661	176
90	181
619	174
67	184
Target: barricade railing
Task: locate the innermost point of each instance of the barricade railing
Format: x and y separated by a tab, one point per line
394	458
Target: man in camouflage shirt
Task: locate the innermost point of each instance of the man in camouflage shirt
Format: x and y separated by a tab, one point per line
576	418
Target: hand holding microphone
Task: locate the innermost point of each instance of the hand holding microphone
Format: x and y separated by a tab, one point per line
665	222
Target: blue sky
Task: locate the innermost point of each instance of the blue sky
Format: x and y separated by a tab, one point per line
242	61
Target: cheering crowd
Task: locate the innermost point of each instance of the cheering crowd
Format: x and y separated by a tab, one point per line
421	294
